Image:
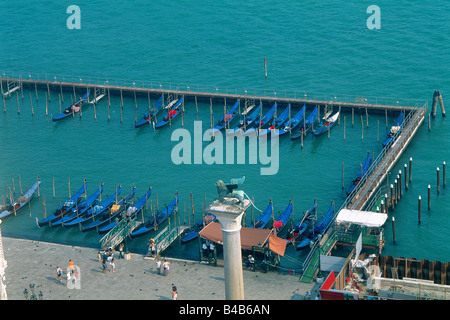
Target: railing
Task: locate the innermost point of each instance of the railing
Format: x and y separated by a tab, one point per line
151	84
119	232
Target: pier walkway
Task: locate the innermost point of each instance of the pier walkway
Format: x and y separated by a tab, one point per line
61	83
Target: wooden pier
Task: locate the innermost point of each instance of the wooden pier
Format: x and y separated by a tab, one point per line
265	96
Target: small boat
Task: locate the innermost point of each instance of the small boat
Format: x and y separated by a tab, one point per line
173	112
226	120
198	227
131	213
65	207
318	229
364	167
21	201
93	213
161	216
263	219
395	128
248	121
307	126
302	226
79	210
148	117
74	108
278	122
280	223
292	125
111	214
326	124
262	123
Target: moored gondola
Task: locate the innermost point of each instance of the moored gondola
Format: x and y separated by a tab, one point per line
21	201
65	207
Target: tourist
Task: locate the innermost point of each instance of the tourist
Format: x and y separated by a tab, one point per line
112	264
99	256
71	265
158	266
153	249
166	267
205	250
174	292
121	251
59	273
104	266
251	262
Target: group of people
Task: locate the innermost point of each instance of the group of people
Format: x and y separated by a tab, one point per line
108	255
165	265
208	248
72	272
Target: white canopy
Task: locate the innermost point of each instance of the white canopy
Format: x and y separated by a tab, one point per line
364	218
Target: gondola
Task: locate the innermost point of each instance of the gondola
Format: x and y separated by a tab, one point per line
74	108
326	124
79	210
248	121
161	216
65	207
171	115
197	228
318	229
263	122
226	120
395	128
263	219
307	126
280	223
300	228
131	213
148	117
292	125
364	167
111	214
94	213
277	123
21	201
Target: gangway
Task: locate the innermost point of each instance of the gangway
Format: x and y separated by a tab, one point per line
117	234
164	239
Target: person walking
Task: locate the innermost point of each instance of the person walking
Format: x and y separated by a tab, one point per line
71	265
174	292
158	266
166	265
112	264
105	267
59	273
121	251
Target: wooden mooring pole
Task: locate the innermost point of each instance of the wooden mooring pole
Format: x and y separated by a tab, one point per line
429	197
393	228
438	184
420	207
443	174
406	176
410	170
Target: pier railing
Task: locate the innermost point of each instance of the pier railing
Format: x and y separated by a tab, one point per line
332	99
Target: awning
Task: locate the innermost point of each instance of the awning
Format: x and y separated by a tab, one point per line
250	237
363	218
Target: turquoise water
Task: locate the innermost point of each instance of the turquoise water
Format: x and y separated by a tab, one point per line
317	48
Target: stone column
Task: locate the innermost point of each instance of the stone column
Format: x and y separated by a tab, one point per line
234	280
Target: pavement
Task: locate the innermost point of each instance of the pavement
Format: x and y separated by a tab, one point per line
34	262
